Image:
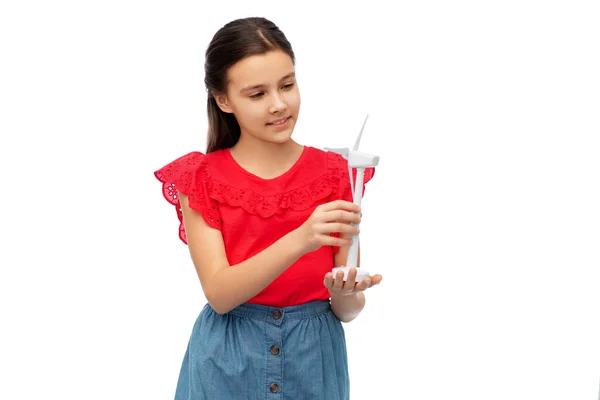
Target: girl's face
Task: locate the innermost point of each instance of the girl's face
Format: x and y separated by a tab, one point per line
263	95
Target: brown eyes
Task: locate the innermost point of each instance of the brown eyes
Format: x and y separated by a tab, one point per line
260	94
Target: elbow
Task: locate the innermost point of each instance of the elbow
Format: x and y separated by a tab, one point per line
215	295
218	303
219	309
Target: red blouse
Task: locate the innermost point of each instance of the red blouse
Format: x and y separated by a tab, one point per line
252	213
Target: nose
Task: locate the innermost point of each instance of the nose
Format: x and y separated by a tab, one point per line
278	104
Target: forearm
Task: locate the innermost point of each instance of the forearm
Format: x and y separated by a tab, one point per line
238	283
346	308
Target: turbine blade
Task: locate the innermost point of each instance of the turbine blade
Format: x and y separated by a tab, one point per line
360	134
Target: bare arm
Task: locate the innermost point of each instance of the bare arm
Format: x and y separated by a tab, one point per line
226	288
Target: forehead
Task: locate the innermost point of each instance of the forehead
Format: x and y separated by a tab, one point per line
262	69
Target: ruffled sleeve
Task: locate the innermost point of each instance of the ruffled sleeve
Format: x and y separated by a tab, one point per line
188	175
340	180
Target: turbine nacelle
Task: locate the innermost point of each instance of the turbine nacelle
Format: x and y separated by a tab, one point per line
358	159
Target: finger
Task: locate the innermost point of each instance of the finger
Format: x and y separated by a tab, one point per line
337	227
369	282
341	216
364	284
327	240
341	204
351	280
339	280
375	280
328	281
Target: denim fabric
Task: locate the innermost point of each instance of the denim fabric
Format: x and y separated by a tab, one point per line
232	356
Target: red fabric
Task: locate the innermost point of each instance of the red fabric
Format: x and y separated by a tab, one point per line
252	213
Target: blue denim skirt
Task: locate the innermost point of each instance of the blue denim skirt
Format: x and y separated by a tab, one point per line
260	352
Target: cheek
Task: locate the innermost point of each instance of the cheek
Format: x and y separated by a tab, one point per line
293	100
250	113
257	112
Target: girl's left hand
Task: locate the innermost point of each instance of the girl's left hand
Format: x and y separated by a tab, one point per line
337	286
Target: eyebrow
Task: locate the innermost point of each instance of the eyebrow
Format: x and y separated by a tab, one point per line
247	88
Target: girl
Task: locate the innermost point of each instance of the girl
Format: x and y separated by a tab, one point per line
265	220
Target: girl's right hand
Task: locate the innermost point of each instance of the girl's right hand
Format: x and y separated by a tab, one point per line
335	216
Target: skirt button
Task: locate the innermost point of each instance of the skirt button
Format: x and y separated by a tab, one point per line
274	349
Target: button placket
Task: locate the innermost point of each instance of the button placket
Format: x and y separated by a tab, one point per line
274	336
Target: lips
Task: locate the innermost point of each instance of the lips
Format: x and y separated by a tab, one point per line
279	121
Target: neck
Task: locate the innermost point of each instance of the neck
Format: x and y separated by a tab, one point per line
265	154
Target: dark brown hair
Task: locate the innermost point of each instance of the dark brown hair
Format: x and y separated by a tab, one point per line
235	41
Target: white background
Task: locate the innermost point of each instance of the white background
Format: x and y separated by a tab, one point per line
483	217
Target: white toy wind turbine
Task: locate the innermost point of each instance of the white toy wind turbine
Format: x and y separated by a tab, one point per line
360	161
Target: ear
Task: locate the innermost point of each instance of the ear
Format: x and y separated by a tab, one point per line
223	102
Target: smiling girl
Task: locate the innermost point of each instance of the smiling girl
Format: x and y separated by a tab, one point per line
265	219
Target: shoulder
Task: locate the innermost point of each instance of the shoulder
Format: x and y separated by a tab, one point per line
316	153
186	161
186	164
324	163
327	163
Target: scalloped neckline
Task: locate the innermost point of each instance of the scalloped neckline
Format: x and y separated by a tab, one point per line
290	170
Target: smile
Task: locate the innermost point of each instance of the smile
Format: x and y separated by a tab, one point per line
279	122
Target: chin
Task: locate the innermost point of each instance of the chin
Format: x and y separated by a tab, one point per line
280	137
